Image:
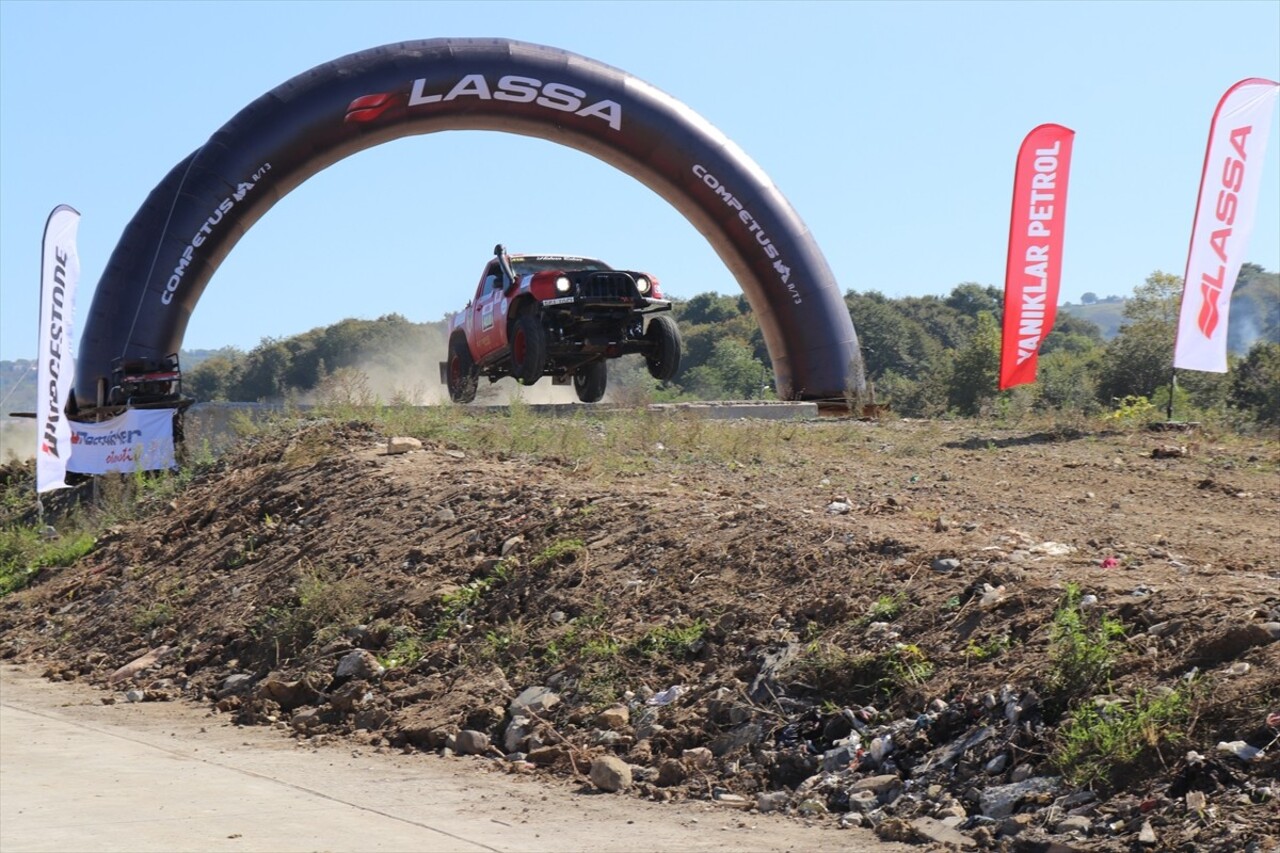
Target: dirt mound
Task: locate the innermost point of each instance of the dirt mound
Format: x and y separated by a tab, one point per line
953	633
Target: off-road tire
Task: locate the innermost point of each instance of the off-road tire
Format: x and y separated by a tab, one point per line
590	381
663	360
528	349
462	372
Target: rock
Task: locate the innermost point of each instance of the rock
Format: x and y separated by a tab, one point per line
471	742
942	525
733	801
939	833
839	508
1076	823
533	701
671	772
1001	801
360	664
287	694
863	802
699	757
1022	773
305	719
1014	824
772	801
444	516
134	695
610	773
234	684
350	696
510	545
545	756
945	564
1196	801
140	664
877	785
517	730
614	717
402	444
996	766
1147	835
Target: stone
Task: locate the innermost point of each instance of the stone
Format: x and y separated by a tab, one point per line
1001	801
234	684
445	516
360	664
996	766
533	701
517	730
614	717
863	801
877	785
945	564
670	772
1076	823
772	801
471	742
287	694
939	833
140	664
699	757
510	545
1147	835
402	444
610	773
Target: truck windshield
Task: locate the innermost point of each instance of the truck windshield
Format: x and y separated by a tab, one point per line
529	264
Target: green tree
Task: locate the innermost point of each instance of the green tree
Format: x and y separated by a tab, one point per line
977	368
1255	384
732	372
1140	358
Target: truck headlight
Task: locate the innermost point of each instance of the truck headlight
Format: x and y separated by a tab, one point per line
562	284
642	284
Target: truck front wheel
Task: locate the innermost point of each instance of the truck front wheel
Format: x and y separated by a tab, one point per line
663	358
462	372
528	349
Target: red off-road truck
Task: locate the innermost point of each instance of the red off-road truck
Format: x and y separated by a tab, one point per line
559	316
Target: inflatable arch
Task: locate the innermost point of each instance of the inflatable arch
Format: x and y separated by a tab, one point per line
194	217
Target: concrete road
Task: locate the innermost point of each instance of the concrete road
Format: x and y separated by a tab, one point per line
78	775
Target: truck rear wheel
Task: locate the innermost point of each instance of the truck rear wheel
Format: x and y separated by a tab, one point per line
663	359
462	372
528	349
590	381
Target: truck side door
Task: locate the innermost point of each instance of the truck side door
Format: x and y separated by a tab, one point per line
486	313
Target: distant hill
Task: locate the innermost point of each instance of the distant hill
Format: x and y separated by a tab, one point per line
1255	310
1106	315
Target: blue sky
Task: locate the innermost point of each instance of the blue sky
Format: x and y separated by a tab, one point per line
891	128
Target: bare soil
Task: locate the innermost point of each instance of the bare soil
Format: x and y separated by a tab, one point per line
739	599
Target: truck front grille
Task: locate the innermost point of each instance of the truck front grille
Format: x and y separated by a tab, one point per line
608	286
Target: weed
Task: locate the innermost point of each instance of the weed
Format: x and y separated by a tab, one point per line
1081	648
992	648
1100	742
25	550
886	608
158	614
676	641
326	603
560	551
456	604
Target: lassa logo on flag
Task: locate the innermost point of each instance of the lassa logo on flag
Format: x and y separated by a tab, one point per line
1224	217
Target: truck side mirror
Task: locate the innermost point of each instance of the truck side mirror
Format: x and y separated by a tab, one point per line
499	250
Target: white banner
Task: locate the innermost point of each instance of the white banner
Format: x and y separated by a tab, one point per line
1223	222
59	275
138	440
